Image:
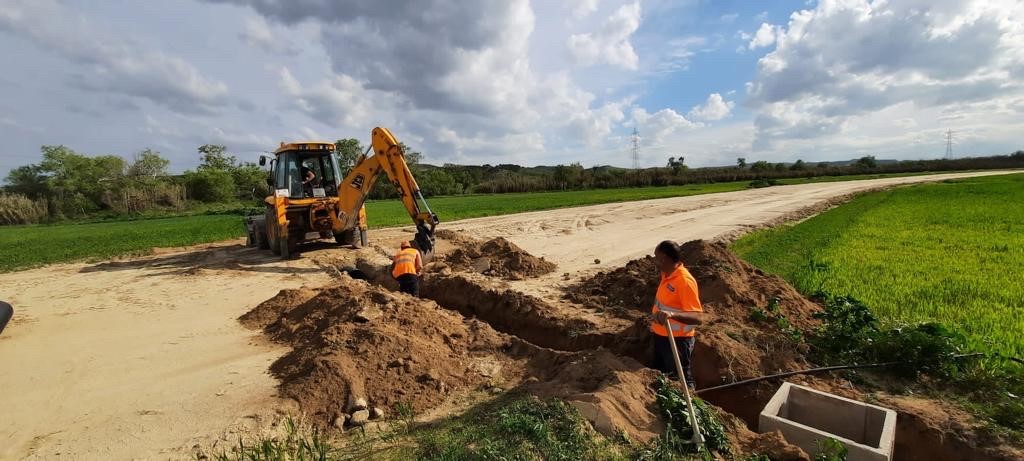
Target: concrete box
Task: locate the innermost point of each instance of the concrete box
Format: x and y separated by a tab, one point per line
805	416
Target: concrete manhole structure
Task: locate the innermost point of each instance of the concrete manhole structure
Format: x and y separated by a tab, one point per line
806	417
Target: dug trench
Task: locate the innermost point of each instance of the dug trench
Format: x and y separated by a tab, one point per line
359	345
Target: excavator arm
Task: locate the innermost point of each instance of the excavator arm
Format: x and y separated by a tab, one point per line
389	159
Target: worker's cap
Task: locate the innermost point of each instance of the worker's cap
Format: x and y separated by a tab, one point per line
406	244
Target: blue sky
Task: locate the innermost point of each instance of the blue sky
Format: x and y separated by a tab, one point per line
515	81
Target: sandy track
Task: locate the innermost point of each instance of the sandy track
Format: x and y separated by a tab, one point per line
140	358
616	233
144	358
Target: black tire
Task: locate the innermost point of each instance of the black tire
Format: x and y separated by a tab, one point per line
344	237
261	238
288	247
357	239
272	238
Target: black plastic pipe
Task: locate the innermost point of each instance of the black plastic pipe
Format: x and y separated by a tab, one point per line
821	370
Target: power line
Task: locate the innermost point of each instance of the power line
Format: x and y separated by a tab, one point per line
636	149
949	144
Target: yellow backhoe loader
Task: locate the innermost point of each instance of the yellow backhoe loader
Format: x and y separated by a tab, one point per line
310	200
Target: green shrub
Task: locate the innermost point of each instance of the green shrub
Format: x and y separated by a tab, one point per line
209	185
19	209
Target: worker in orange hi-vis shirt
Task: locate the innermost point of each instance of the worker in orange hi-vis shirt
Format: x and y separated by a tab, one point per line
678	302
406	269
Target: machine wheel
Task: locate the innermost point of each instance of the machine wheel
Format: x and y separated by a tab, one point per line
344	237
261	238
357	239
288	247
272	240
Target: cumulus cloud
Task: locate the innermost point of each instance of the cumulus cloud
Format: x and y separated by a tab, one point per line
257	33
112	64
459	76
764	37
610	44
655	127
584	8
847	58
338	101
715	108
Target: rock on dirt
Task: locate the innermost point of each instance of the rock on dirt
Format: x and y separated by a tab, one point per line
497	257
359	417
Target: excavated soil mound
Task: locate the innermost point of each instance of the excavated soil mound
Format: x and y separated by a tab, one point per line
625	291
734	345
497	257
356	340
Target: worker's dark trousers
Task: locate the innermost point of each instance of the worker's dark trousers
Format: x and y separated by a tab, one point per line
409	283
664	361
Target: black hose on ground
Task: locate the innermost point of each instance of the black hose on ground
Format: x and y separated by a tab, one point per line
824	369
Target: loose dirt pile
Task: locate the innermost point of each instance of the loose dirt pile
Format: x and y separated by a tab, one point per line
623	291
358	341
497	258
733	345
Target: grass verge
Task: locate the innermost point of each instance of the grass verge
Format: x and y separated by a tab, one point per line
949	252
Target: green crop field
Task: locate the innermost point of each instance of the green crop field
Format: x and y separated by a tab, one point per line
951	251
26	246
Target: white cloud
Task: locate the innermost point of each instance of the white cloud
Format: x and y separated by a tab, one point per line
675	54
843	61
715	108
339	101
257	33
654	128
728	18
765	36
112	64
610	44
584	8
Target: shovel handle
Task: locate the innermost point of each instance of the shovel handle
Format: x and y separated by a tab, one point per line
698	438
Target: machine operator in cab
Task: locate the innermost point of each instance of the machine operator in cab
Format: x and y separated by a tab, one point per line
406	269
677	300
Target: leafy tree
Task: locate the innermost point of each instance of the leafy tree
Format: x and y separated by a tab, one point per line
798	165
148	164
215	157
348	151
760	165
567	176
210	185
741	163
28	180
867	162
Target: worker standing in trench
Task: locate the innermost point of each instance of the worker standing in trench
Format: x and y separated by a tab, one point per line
677	300
406	268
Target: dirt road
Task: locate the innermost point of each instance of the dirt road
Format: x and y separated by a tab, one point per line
144	358
615	233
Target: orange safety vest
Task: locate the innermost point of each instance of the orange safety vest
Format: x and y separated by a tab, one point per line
676	293
405	262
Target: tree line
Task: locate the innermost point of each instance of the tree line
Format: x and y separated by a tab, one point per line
67	185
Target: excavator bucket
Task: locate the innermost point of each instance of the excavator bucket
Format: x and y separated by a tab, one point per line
425	239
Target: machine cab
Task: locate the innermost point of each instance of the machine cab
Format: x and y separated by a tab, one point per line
305	170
